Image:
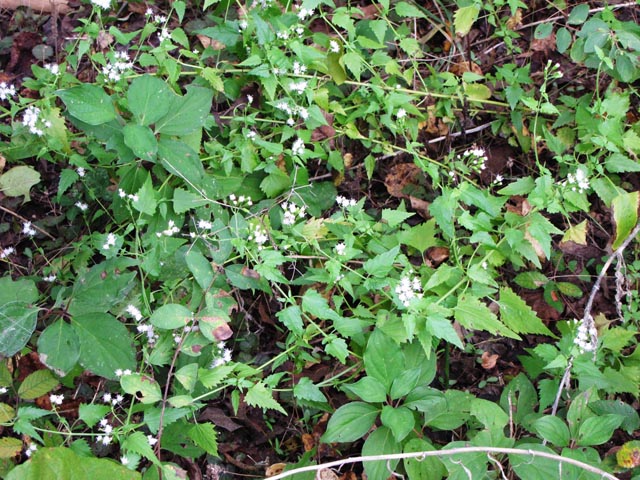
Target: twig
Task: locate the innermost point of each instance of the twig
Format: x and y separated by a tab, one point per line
587	318
446	453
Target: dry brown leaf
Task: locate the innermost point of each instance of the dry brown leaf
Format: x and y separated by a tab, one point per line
308	442
464	67
489	360
437	255
536	245
433	125
420	206
211	42
400	176
59	6
546	44
326	474
515	20
275	469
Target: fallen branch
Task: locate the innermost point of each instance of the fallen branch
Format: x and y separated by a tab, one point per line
48	6
443	453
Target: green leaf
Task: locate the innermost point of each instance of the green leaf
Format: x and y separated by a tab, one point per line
522	186
620	163
186	114
477	91
380	442
563	40
188	376
315	304
58	347
543	30
144	388
369	389
92	413
598	430
336	347
141	140
350	422
576	234
518	316
395	217
137	442
183	201
534	468
399	420
7	413
631	420
380	265
520	398
17	324
489	413
171	316
63	464
353	62
306	390
291	317
149	99
464	18
18	181
105	344
9	448
578	14
421	236
261	396
37	384
429	468
383	358
200	267
181	160
625	216
88	103
553	430
404	9
213	377
531	280
475	315
204	435
570	289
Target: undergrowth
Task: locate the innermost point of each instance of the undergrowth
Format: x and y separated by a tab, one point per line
374	188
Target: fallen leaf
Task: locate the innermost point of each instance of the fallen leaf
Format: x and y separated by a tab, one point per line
489	360
326	474
275	469
400	176
420	206
437	255
464	66
308	442
546	44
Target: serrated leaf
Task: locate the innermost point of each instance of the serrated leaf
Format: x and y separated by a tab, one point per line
171	316
336	347
405	10
380	265
88	103
475	315
261	396
204	435
625	216
149	99
92	413
570	289
350	422
518	316
37	384
137	442
214	376
181	160
143	387
576	234
17	324
18	181
141	140
291	317
315	304
531	280
10	447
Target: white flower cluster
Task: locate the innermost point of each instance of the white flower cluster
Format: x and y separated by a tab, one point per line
301	112
49	278
303	13
6	91
30	449
177	337
6	252
110	399
298	87
291	213
113	71
107	430
56	399
224	356
341	248
54	68
82	206
401	113
104	4
577	182
3	390
408	289
134	312
240	201
119	372
109	242
334	46
28	229
586	338
258	235
170	230
31	119
345	202
298	147
123	194
476	158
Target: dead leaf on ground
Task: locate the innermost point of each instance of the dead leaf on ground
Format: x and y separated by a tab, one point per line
437	255
546	44
219	419
275	469
308	442
326	474
420	206
210	42
489	360
400	176
464	67
515	20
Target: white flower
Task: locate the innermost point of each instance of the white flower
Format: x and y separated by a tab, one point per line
3	390
345	202
160	19
6	91
30	449
49	278
258	235
243	25
56	399
119	372
122	193
124	460
104	4
106	398
110	242
291	213
119	398
152	440
251	135
298	68
298	147
408	289
134	312
171	229
149	12
81	171
298	87
586	338
499	179
28	230
164	35
283	35
476	156
578	181
82	206
30	119
334	46
340	248
6	252
205	225
304	13
401	113
53	68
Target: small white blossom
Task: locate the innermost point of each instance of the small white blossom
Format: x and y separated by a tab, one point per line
152	440
586	338
303	13
258	235
577	182
6	252
251	135
242	24
205	225
171	229
476	157
401	113
298	68
298	147
164	35
298	87
134	312
408	289
122	193
283	35
56	399
334	46
3	390
345	202
119	372
6	91
341	248
82	206
110	242
54	68
124	460
291	212
30	119
118	399
28	229
30	449
81	171
106	398
49	278
104	4
160	19
149	12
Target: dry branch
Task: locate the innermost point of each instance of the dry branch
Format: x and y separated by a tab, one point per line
47	6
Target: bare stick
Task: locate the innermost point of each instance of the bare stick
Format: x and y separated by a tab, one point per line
446	453
60	6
